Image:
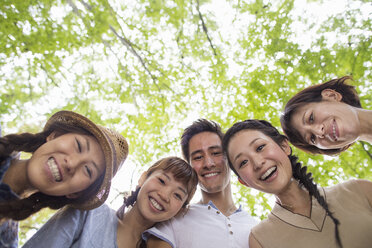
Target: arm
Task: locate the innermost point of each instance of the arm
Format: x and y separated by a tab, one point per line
253	243
154	242
366	187
60	231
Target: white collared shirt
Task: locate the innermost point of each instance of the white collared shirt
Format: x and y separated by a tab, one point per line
205	226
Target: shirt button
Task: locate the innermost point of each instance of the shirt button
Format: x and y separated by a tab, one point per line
231	232
209	207
229	225
218	212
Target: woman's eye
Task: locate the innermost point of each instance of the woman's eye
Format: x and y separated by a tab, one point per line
178	196
89	171
161	181
244	162
311	118
78	145
260	148
312	139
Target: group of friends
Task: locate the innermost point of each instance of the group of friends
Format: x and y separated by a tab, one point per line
74	160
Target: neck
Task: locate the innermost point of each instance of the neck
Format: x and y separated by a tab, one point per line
365	119
222	200
16	178
295	198
131	227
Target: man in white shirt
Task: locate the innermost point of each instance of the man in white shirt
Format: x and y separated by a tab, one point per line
214	221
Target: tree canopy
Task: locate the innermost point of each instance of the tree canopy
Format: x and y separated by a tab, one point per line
148	68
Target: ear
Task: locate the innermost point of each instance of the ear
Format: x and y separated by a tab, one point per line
51	136
286	148
242	182
73	195
142	179
331	95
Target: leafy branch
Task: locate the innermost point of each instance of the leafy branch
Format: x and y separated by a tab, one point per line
205	29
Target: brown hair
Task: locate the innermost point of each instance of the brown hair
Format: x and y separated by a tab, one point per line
180	170
314	94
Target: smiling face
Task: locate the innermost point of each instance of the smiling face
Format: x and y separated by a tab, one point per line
207	159
260	162
66	164
161	196
329	124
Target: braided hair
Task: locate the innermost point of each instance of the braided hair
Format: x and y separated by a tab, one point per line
20	209
298	170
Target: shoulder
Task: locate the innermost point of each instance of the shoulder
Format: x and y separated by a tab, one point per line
351	190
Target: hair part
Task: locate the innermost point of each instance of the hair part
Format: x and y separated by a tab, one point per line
299	172
314	94
198	126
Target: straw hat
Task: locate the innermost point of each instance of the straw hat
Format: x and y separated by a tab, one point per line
115	150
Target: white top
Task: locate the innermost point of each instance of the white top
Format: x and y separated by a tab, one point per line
205	226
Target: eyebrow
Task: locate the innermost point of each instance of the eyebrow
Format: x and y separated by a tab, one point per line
209	148
304	123
87	142
184	191
95	165
237	156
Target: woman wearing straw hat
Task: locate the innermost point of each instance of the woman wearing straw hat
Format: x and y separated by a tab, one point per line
73	161
163	191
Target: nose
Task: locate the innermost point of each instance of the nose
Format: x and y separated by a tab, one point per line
70	165
209	162
164	195
258	162
319	130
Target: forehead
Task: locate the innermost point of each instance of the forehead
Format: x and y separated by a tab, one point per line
203	141
246	137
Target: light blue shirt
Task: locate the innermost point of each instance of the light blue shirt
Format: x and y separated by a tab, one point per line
70	227
205	226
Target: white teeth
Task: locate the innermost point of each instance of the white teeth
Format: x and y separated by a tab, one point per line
211	174
54	169
156	204
267	173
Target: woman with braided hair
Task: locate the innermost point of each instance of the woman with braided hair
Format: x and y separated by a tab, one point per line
72	163
304	215
163	191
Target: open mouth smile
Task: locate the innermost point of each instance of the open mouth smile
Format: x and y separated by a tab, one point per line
212	174
54	169
156	204
268	173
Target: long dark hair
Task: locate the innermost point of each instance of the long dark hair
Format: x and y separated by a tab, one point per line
20	209
314	94
299	172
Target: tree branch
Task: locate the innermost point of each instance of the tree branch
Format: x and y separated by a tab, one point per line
205	28
363	144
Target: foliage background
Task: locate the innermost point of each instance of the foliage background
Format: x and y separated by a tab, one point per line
148	68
